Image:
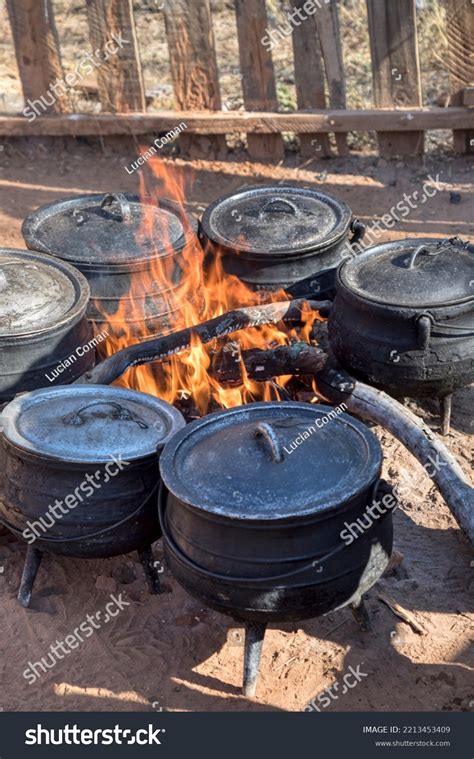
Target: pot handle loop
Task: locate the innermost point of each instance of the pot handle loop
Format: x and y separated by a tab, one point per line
272	442
416	253
119	199
278	205
119	412
358	231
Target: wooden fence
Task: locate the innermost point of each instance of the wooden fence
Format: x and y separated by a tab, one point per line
398	116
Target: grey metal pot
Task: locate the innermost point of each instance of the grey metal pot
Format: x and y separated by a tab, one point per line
131	252
44	333
403	317
273	236
80	472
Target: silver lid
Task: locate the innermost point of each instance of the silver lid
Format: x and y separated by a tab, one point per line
37	292
80	424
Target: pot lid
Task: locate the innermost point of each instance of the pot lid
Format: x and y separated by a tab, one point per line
415	273
37	292
89	424
274	219
271	461
109	229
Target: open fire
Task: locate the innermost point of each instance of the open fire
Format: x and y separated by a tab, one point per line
204	291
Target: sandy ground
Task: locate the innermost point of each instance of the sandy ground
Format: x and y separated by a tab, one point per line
166	652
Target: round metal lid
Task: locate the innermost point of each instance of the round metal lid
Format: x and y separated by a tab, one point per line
416	273
37	292
107	229
274	219
271	461
89	424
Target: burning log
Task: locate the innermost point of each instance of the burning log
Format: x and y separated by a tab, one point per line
378	407
162	347
262	365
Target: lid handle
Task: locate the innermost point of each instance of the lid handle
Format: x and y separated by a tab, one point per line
271	440
119	412
119	199
440	248
278	205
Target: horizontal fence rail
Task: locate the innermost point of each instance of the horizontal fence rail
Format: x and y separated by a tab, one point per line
398	117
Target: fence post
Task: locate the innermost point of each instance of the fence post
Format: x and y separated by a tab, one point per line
309	80
327	22
37	53
258	77
460	24
194	69
395	68
119	79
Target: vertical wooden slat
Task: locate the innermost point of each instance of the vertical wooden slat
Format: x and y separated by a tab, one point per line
194	72
119	79
395	68
309	80
258	80
327	22
37	52
460	26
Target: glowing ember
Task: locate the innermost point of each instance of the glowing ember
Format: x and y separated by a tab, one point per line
198	296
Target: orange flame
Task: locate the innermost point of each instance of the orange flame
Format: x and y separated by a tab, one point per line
193	297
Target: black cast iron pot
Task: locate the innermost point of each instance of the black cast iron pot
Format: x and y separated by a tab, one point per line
403	316
258	499
79	471
44	334
273	236
133	252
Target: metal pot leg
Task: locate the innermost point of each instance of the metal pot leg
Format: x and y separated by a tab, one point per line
254	635
30	570
445	411
151	573
361	616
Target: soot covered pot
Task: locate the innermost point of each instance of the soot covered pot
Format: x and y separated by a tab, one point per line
253	508
80	473
403	317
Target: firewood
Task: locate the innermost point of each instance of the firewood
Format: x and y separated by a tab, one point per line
162	347
376	406
403	614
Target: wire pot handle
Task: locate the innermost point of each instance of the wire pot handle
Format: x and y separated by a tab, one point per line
124	414
95	534
118	198
276	205
162	493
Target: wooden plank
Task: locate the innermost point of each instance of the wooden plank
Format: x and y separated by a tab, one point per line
309	81
327	22
468	97
38	55
395	67
193	62
460	30
258	76
225	122
119	75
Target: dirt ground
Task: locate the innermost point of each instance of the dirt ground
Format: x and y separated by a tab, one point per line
166	652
